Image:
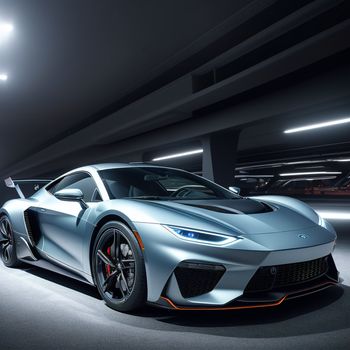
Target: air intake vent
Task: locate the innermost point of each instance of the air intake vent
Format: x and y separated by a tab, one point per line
31	226
196	279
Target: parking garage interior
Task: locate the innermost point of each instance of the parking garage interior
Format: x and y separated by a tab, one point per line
253	95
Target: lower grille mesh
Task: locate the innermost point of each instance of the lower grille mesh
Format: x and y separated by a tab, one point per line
273	277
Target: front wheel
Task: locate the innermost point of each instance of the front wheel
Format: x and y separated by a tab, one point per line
8	243
118	268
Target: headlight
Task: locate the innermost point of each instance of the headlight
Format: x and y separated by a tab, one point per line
201	236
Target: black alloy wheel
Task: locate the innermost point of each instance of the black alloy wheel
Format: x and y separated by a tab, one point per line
7	243
118	267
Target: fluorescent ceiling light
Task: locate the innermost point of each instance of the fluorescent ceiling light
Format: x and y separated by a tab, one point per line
177	155
313	173
304	162
318	125
335	215
342	160
247	175
311	179
269	165
3	77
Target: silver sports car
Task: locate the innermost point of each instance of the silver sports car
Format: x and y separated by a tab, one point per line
144	233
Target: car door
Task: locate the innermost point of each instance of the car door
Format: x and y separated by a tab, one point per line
62	223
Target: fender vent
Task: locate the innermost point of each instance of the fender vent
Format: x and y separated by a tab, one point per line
31	227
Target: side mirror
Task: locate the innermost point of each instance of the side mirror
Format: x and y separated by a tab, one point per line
234	189
71	195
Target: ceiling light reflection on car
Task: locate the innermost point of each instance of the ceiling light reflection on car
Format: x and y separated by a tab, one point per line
3	77
335	215
5	30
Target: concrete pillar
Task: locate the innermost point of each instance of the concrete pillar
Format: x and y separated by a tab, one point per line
219	156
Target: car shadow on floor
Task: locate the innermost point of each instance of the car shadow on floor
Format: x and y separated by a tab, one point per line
321	312
65	281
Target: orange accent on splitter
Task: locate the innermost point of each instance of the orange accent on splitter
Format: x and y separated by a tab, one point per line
222	308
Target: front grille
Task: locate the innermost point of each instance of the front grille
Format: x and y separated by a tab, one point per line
195	279
269	278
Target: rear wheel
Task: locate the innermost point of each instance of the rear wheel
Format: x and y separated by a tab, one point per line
118	267
7	243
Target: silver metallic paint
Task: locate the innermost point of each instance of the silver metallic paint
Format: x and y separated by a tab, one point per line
266	239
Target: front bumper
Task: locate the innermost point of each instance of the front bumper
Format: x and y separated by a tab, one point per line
224	273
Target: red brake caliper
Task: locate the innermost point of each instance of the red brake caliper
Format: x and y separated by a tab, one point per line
108	267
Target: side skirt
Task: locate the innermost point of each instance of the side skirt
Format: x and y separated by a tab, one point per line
35	257
44	264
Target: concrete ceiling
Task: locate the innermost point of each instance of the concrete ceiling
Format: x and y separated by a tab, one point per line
67	60
110	80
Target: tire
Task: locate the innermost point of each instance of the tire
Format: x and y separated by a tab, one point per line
8	243
118	268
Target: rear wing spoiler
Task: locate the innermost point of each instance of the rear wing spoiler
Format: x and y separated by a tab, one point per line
10	183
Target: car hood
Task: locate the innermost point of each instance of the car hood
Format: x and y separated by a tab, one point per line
245	216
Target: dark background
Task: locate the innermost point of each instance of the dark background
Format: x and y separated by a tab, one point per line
128	81
123	81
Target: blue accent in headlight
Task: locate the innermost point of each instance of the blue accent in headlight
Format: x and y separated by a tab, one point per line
201	236
185	233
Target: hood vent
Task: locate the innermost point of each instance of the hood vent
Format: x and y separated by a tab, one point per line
217	208
231	206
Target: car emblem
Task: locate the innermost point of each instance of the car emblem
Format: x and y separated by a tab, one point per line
273	270
303	236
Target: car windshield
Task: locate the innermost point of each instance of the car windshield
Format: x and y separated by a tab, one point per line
160	184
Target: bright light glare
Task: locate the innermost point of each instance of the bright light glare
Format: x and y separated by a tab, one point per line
5	30
317	126
313	173
177	155
3	77
6	27
334	215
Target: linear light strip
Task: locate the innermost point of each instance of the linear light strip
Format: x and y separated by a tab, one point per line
248	175
318	125
313	173
177	155
275	165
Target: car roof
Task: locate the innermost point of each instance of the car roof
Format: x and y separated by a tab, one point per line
106	166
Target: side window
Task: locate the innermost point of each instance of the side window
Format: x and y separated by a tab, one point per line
81	181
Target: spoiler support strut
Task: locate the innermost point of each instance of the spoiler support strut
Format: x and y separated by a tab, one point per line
14	184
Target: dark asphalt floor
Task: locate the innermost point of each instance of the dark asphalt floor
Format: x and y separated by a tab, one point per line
43	310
